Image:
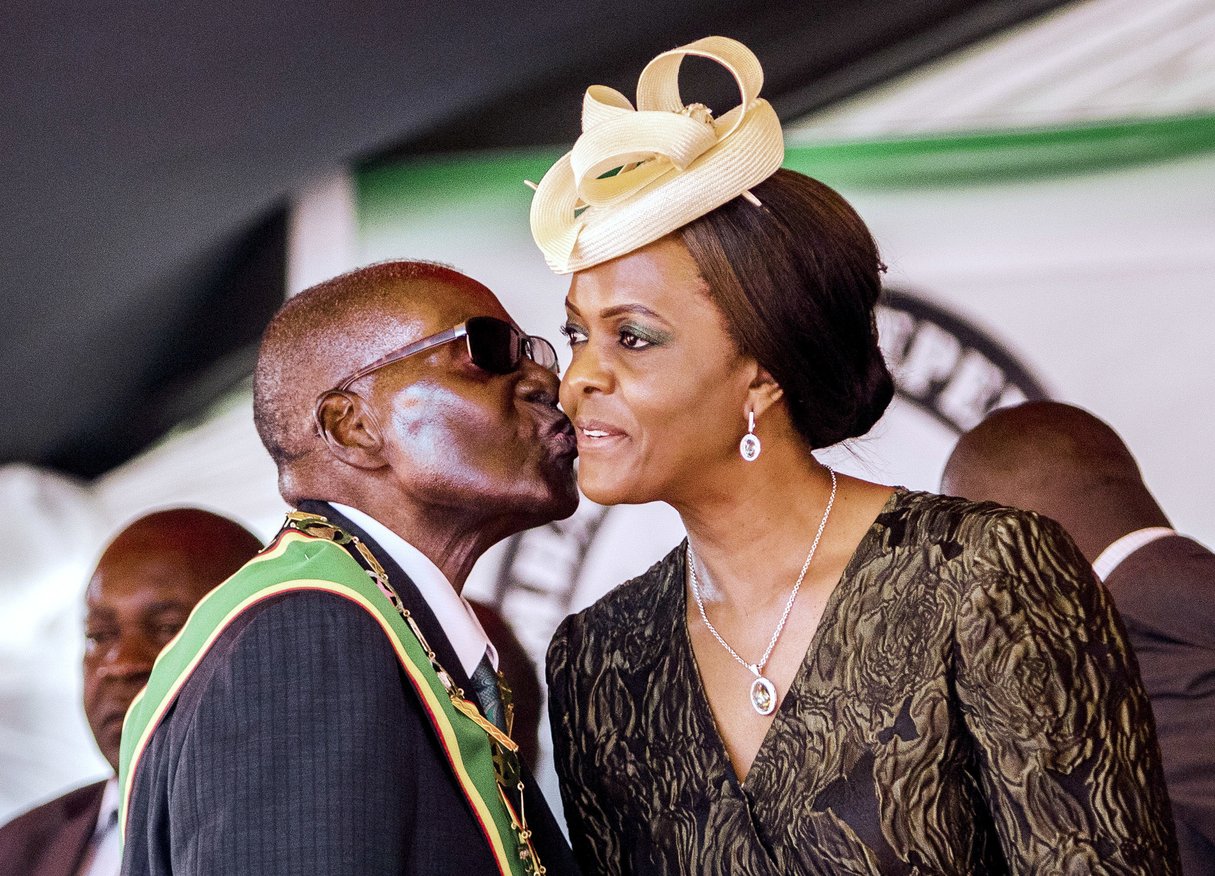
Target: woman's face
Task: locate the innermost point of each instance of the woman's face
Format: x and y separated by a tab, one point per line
657	390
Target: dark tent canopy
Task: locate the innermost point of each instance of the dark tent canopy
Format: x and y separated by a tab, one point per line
151	149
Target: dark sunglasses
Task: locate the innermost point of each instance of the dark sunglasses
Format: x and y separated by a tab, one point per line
494	345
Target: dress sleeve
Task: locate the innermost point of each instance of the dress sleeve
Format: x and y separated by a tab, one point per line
594	829
1051	695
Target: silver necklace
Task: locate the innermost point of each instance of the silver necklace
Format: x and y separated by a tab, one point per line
763	691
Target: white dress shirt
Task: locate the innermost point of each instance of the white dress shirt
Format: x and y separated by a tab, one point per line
102	857
451	610
1119	550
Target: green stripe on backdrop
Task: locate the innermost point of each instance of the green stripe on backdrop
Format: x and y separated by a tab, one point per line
413	186
1004	155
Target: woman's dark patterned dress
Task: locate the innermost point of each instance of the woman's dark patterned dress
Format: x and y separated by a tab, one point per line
968	705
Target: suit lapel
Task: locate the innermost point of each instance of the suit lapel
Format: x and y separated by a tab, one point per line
411	597
79	820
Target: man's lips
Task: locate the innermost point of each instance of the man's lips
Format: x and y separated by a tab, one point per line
113	717
112	703
559	435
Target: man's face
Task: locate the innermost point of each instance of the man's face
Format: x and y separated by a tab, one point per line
462	438
137	600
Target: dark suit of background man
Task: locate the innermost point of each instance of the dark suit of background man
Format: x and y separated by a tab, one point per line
1066	464
146	582
297	745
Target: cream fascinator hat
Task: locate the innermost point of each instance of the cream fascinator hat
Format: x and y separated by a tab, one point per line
672	163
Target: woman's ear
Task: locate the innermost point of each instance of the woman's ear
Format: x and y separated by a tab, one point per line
349	429
763	392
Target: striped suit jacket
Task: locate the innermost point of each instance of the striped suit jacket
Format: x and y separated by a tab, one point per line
1165	592
298	747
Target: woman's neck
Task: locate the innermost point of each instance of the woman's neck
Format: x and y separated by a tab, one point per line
751	530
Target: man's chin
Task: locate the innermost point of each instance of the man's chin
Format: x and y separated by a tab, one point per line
567	504
110	744
560	502
561	481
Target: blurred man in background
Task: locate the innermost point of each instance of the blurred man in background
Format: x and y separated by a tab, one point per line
1064	463
145	585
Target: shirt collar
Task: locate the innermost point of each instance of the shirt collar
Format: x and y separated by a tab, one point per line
1119	550
451	610
109	805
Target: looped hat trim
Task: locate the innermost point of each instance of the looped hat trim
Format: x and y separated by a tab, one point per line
637	174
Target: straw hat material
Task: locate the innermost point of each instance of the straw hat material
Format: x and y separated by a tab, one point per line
636	175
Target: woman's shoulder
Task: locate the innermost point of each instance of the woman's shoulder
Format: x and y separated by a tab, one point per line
927	514
631	613
972	532
981	534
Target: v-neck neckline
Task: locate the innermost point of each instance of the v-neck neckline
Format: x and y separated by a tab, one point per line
700	694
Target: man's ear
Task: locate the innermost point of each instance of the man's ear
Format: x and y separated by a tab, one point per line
349	429
763	392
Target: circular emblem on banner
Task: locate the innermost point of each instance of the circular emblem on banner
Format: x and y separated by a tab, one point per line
948	367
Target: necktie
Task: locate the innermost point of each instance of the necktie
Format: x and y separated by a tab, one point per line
489	697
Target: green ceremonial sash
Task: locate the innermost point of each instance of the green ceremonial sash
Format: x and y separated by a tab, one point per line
299	562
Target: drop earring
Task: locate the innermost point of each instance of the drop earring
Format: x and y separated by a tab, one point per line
749	447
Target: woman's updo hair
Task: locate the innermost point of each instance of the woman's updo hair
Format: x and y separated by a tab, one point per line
798	279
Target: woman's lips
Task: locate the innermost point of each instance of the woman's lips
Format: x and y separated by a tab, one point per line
597	435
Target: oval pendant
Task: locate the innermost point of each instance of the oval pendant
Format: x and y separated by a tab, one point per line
749	448
763	695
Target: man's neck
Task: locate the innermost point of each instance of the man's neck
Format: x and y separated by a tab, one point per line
453	546
452	613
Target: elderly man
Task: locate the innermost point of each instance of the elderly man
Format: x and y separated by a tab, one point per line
146	584
1066	464
337	709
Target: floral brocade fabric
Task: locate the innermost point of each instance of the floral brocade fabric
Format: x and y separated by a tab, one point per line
968	705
